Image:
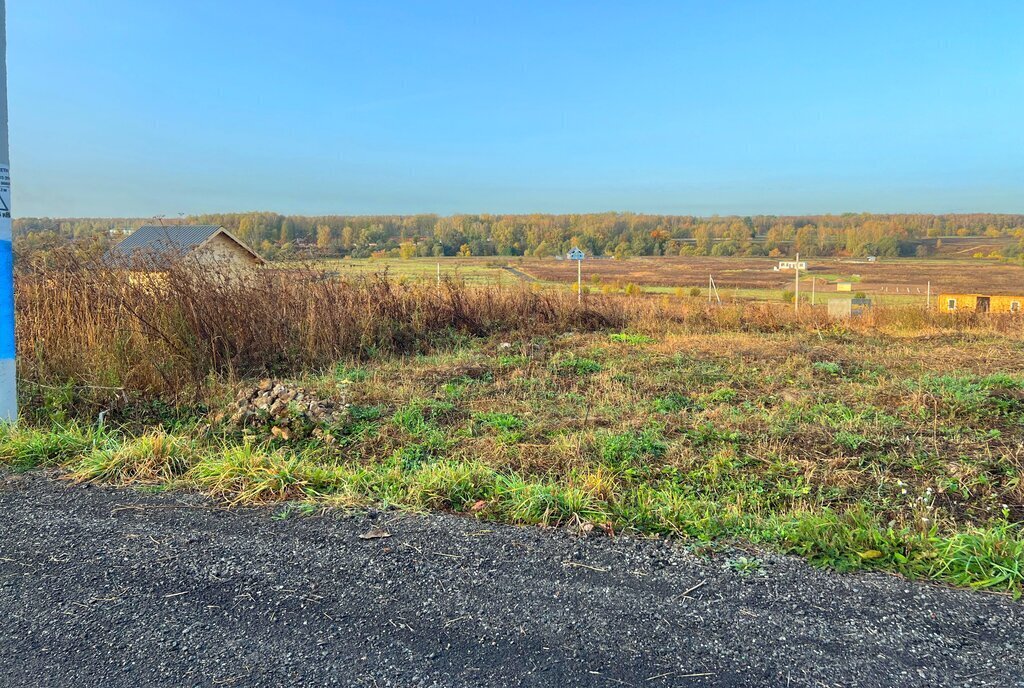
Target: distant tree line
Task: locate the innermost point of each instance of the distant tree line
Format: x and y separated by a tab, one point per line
603	234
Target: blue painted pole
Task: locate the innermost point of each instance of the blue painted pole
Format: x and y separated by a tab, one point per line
8	369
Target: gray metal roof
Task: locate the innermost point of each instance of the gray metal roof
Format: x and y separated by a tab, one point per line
163	240
156	246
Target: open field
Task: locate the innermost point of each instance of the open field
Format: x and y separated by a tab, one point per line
885	277
894	443
491	270
892	281
968	246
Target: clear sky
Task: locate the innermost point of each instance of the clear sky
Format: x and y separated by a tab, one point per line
140	108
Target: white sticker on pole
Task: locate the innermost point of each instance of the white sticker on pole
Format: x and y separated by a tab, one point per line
5	202
8	397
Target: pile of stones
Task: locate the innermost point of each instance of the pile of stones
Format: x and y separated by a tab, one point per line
286	411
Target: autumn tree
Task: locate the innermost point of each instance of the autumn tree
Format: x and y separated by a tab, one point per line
348	238
287	231
598	234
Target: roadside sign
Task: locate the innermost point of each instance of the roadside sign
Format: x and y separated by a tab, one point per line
575	254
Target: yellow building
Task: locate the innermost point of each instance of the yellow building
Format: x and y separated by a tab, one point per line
982	303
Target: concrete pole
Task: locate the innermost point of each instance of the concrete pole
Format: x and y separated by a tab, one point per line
796	290
8	369
579	281
814	285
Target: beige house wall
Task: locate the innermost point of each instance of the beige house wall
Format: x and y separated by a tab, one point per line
221	253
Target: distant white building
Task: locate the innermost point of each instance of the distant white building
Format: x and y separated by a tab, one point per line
790	265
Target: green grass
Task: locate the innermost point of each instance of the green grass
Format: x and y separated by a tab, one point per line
630	338
470	270
576	365
989	558
853	451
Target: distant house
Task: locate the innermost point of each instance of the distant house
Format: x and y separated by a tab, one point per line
982	303
153	248
790	265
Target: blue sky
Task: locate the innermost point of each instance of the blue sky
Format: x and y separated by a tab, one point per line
128	108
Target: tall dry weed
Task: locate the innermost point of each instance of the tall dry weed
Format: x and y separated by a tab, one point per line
165	333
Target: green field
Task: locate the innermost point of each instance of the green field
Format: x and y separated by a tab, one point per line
508	271
469	270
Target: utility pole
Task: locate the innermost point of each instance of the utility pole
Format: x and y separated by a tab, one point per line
576	254
814	284
8	369
796	290
579	282
713	289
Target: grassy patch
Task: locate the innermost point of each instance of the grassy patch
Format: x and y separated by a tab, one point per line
673	402
507	427
630	338
579	366
22	448
907	460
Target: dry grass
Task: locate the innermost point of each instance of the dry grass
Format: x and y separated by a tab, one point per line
117	335
109	329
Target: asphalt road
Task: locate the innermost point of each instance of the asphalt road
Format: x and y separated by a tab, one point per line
103	587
